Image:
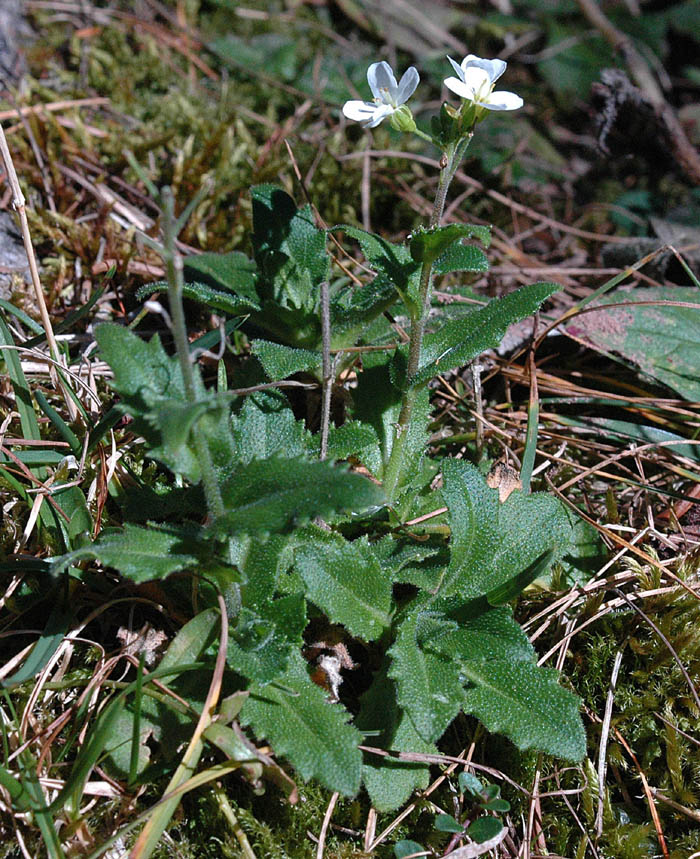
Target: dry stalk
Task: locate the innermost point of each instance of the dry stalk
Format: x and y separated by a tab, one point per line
19	205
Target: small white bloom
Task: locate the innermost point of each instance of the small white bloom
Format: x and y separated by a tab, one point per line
475	82
388	95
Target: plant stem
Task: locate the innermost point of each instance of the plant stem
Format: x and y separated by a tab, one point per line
424	136
327	389
232	820
452	158
173	262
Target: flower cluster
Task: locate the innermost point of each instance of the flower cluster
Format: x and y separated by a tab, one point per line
474	83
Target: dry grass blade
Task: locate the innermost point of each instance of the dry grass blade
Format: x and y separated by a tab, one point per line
324	827
20	207
604	734
157	822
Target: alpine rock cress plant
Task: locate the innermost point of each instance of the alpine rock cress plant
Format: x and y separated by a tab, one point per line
311	558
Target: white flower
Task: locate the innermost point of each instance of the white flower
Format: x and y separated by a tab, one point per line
476	80
388	95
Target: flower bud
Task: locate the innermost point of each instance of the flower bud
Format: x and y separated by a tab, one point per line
402	119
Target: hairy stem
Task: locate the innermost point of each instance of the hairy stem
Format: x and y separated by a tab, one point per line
392	476
173	262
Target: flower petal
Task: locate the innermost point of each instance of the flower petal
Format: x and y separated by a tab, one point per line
459	88
359	111
477	79
457	68
468	60
382	82
381	111
407	85
503	101
493	68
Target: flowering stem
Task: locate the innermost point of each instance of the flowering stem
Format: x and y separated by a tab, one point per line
419	316
424	136
173	262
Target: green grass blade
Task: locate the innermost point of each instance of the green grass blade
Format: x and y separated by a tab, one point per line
136	731
70	320
65	431
16	790
533	421
33	458
103	426
23	317
42	652
27	417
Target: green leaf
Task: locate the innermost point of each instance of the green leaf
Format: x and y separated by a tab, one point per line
662	340
231	272
229	742
461	340
266	426
377	405
353	310
526	703
152	392
345	580
405	848
23	399
459	257
484	829
261	641
447	823
289	248
500	805
390	781
174	421
61	426
490	635
276	494
143	372
142	554
301	724
429	686
352	438
280	362
511	588
261	562
492	542
411	562
469	783
427	245
19	796
118	745
10	358
202	293
491	791
392	260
